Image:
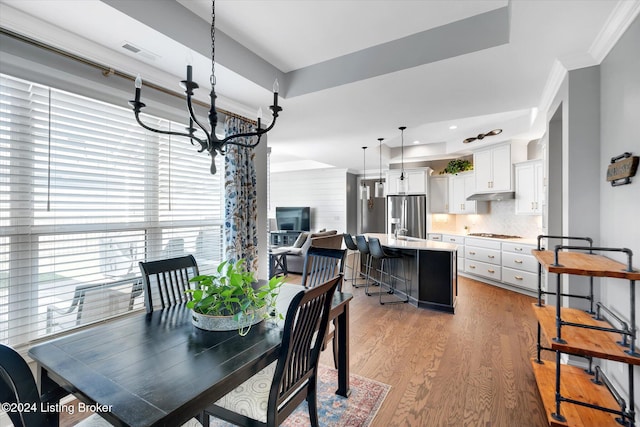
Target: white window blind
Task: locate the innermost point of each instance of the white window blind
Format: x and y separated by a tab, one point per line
85	194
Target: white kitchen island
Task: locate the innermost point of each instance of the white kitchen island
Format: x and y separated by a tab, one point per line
432	267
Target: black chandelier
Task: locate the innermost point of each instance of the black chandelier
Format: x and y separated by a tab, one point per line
210	141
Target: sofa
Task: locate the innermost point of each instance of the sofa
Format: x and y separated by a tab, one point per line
321	239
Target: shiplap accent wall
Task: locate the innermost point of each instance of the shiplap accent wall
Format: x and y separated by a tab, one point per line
323	190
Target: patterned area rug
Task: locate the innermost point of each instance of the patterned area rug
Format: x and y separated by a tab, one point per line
336	411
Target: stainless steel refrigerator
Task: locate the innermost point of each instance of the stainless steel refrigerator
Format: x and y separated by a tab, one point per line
408	214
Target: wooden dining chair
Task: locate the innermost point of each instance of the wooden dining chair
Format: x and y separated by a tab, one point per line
166	280
271	395
17	386
321	264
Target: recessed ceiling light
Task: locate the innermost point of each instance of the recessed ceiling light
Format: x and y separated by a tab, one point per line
416	142
453	127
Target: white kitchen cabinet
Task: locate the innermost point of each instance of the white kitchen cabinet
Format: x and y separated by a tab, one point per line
462	186
483	258
529	187
492	168
456	240
439	194
416	181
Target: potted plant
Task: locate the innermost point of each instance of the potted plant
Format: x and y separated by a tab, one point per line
230	299
456	166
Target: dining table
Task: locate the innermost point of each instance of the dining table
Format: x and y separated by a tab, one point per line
158	369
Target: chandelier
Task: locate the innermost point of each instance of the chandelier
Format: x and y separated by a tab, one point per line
210	142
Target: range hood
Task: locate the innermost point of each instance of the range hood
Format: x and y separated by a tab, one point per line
481	197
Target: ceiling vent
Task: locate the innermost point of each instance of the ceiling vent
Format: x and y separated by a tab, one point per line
139	51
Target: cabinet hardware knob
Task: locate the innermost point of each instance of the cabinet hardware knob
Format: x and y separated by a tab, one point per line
518	249
491	271
491	256
517	261
472	266
518	277
471	253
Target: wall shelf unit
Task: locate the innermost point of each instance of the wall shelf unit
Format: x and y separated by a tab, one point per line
584	397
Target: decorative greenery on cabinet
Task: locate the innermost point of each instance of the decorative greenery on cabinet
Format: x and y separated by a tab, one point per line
456	166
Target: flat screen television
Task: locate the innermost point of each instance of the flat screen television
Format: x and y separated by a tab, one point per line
293	218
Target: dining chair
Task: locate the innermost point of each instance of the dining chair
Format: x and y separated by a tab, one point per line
321	264
166	280
17	386
271	395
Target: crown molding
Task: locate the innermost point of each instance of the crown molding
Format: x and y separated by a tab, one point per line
554	81
624	13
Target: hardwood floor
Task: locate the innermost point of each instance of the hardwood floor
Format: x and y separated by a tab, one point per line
468	369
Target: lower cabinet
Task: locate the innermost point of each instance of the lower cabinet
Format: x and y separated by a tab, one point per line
457	240
519	267
483	258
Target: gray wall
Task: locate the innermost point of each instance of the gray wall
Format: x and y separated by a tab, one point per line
619	207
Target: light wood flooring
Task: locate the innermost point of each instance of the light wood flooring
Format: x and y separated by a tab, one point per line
468	369
472	368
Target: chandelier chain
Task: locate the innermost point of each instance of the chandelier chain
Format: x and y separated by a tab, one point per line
213	44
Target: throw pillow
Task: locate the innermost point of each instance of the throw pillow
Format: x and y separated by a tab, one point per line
302	237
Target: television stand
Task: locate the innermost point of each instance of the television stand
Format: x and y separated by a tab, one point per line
283	238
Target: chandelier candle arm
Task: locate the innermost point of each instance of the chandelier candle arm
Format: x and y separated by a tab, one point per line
211	143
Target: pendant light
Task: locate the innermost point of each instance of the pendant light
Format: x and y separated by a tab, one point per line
403	184
380	185
364	188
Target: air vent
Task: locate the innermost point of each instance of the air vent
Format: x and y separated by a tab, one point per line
139	51
131	47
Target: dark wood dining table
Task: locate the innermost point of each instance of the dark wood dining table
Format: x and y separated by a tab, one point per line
157	369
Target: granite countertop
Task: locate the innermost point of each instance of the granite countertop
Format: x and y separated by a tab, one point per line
403	242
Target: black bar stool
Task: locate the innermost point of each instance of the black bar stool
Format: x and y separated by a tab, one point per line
353	248
363	248
386	270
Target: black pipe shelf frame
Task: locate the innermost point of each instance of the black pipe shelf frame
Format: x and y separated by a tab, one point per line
595	391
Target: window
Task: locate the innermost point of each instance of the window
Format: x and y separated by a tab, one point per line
85	194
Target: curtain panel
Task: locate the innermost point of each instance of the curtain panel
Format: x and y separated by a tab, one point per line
241	207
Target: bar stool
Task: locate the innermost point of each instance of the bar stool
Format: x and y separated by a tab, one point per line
353	248
388	260
363	248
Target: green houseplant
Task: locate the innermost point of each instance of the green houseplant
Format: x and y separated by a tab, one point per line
456	166
230	298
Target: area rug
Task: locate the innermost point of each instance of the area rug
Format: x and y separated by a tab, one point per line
358	410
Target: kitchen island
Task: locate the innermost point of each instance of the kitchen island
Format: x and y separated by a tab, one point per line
432	267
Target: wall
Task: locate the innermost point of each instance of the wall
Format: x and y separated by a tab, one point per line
324	190
500	219
620	132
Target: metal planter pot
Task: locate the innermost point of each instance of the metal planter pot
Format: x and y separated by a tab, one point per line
227	323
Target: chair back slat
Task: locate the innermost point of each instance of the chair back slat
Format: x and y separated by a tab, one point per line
322	264
166	280
304	330
17	385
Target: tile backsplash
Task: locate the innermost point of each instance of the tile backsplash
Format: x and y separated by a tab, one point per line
501	219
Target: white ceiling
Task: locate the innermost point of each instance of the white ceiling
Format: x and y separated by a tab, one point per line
347	84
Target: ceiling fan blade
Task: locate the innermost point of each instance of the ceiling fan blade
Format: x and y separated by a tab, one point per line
468	140
493	132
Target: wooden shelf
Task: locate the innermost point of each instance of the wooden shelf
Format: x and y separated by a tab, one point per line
582	341
584	264
577	385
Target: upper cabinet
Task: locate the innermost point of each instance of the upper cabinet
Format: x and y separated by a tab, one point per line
416	181
462	186
439	194
492	168
529	187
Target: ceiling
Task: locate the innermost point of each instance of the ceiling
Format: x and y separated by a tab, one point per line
350	71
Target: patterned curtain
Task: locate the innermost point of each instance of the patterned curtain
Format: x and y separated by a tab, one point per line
241	207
